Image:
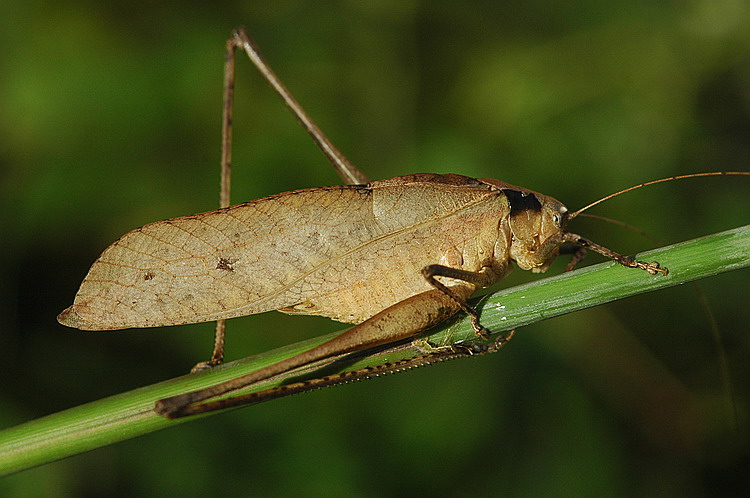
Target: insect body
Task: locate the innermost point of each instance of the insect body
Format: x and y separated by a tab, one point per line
368	253
344	252
395	257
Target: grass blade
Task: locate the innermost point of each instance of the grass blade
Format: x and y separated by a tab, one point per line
130	414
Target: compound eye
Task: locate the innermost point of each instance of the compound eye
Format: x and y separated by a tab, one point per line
558	217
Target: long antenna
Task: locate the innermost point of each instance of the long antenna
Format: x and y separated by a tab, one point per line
662	180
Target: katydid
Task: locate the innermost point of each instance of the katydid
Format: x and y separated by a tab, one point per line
394	257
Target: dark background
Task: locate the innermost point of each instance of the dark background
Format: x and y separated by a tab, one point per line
110	118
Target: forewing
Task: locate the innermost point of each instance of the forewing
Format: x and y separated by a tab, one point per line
230	262
268	254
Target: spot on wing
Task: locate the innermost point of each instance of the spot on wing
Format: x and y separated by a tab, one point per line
226	264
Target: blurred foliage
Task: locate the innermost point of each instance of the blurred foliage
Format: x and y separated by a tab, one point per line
110	118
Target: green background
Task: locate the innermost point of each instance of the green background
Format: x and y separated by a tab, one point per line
110	119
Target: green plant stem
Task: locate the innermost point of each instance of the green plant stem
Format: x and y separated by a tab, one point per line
130	414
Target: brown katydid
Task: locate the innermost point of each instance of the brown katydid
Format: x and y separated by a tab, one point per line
395	256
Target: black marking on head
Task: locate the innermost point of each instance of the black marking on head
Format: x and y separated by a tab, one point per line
522	201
